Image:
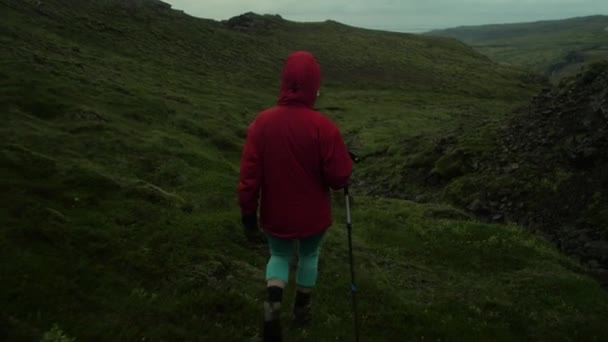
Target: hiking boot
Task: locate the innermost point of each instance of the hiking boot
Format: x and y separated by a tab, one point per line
272	322
302	316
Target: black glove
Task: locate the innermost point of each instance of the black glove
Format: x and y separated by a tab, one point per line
250	224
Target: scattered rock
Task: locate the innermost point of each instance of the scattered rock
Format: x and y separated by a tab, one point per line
421	198
86	115
598	249
212	281
513	167
446	213
161	5
251	22
504	192
475	206
157	195
56	215
498	218
594	264
602	276
433	179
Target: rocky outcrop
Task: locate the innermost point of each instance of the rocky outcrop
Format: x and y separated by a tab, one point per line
553	169
251	22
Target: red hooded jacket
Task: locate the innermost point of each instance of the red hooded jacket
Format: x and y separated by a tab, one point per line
293	156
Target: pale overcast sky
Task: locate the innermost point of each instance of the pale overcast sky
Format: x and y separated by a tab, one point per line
401	15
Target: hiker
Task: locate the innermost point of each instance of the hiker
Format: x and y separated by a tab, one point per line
293	156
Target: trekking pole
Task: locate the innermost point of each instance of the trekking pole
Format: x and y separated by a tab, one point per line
349	228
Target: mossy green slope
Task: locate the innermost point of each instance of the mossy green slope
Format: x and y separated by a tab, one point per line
555	48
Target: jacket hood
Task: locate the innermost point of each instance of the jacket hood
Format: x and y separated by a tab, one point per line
301	80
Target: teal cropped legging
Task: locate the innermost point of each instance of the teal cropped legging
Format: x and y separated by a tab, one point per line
282	250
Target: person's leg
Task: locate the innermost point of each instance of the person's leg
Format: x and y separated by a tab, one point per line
277	276
306	278
277	270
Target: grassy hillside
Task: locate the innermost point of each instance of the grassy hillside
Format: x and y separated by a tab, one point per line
555	48
123	124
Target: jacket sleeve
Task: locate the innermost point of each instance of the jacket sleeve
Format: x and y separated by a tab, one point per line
337	164
251	172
